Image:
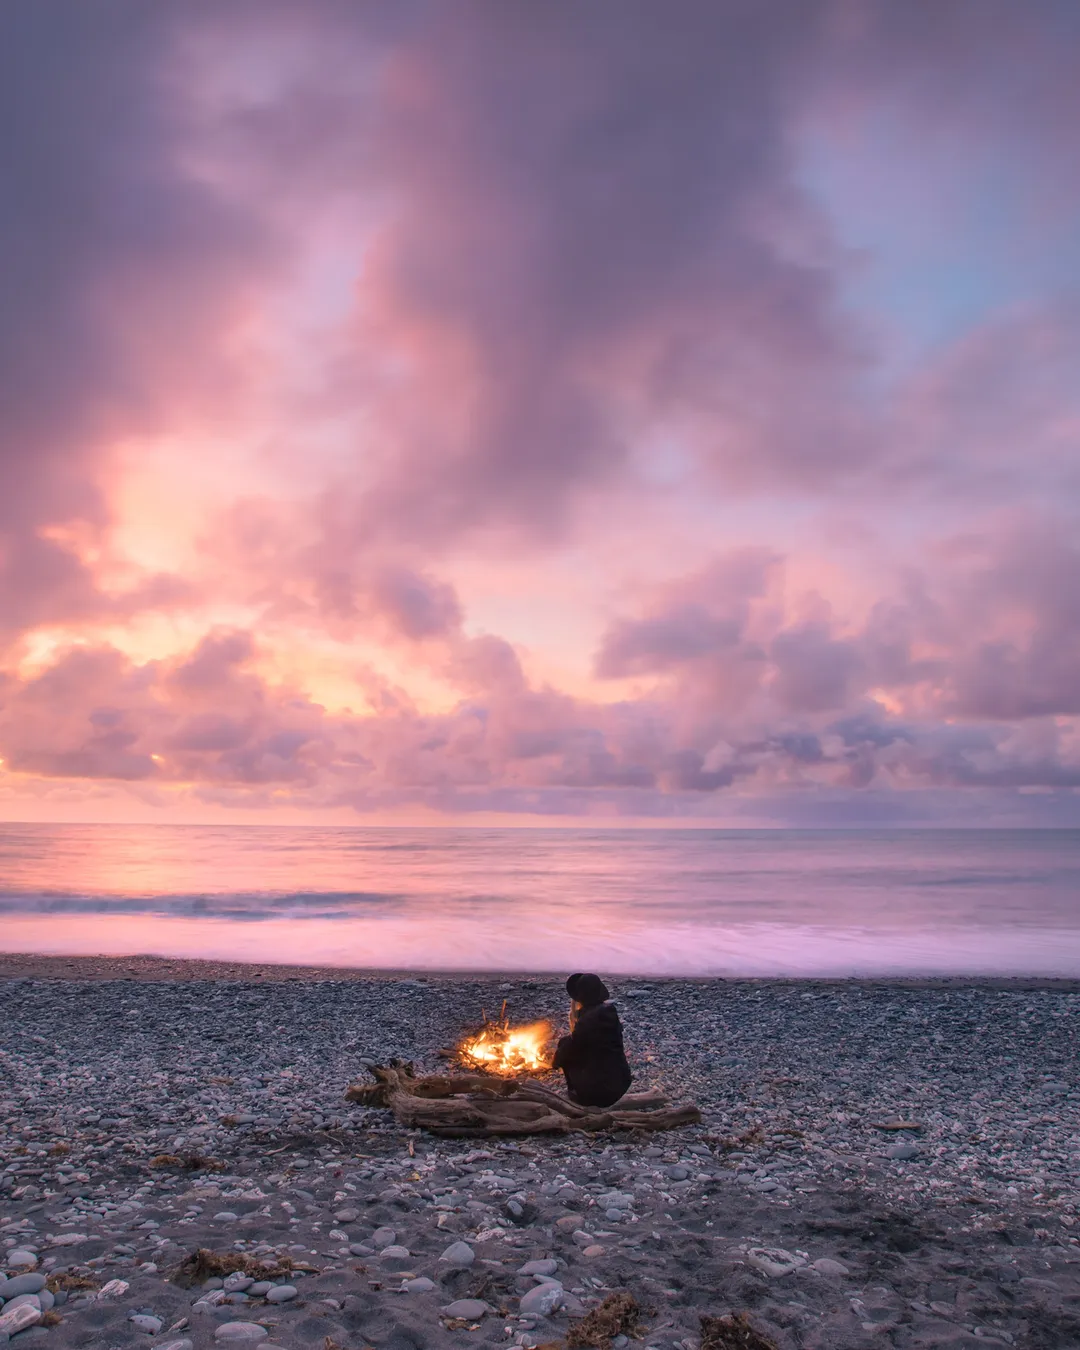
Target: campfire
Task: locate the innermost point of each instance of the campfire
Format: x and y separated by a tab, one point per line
500	1048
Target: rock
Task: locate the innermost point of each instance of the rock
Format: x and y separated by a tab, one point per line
774	1261
582	1238
18	1319
237	1282
521	1212
828	1267
114	1289
22	1284
346	1216
472	1309
614	1215
144	1322
19	1256
226	1216
182	1344
541	1266
421	1285
260	1288
568	1223
678	1172
68	1239
459	1256
396	1258
25	1301
594	1251
240	1333
541	1301
282	1293
383	1237
902	1152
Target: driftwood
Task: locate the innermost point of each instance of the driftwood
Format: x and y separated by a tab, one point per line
471	1105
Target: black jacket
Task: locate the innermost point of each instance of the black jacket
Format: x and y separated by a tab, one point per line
593	1059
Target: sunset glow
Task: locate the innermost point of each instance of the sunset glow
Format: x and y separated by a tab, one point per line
433	413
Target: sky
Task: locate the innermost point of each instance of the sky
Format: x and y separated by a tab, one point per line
499	412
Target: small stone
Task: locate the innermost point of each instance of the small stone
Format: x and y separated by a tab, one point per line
237	1282
21	1257
396	1258
68	1239
614	1215
383	1237
346	1216
459	1255
582	1238
361	1249
22	1284
829	1268
260	1288
774	1261
541	1266
593	1251
567	1223
541	1301
241	1333
225	1216
114	1289
282	1293
26	1300
678	1172
144	1322
18	1319
902	1152
182	1344
472	1309
420	1285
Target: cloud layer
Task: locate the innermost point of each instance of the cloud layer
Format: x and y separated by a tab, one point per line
516	410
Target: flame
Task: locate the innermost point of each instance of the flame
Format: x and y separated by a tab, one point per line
503	1049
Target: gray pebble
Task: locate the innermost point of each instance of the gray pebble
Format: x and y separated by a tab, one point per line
23	1284
143	1322
472	1309
421	1285
383	1237
459	1255
542	1301
282	1293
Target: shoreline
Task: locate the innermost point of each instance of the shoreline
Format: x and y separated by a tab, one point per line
155	969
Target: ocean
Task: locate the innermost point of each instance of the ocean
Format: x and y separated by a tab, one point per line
641	902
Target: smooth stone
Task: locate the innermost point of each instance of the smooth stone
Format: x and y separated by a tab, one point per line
237	1283
459	1255
144	1322
346	1216
541	1301
421	1285
774	1261
18	1319
282	1293
830	1268
21	1257
902	1152
594	1251
241	1333
582	1238
25	1301
383	1237
614	1215
472	1309
226	1216
678	1173
237	1296
182	1344
396	1258
23	1284
541	1266
260	1288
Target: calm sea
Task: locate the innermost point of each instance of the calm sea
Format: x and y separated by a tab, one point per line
620	901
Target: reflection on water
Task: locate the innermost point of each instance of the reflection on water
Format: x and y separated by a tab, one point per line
691	902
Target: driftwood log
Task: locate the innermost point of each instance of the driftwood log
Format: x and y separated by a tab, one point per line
474	1106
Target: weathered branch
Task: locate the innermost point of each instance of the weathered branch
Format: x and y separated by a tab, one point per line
475	1105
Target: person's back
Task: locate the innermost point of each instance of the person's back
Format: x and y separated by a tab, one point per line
592	1057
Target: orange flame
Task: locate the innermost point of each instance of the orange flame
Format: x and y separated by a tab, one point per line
503	1049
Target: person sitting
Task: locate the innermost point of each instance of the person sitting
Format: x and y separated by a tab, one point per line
592	1057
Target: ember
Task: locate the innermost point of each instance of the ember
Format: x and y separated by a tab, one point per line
500	1048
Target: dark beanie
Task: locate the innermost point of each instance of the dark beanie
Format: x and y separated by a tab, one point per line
587	990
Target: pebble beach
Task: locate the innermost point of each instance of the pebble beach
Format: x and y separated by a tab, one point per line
887	1163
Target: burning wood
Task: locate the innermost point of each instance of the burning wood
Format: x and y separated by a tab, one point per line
509	1051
